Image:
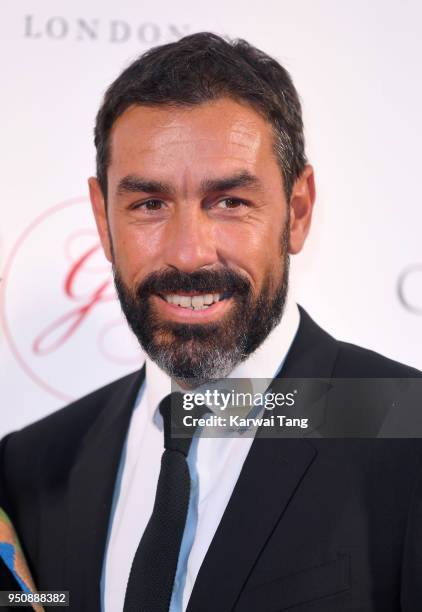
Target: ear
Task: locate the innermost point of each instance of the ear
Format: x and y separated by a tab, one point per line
301	207
100	213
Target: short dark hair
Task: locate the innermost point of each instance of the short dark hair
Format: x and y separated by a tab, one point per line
203	67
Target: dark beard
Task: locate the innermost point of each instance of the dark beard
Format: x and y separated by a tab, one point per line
196	353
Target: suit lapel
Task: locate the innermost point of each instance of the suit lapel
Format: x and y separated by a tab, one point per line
91	490
272	472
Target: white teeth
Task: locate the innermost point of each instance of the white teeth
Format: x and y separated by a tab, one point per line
195	302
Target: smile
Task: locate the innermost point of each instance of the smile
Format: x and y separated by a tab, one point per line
195	301
193	306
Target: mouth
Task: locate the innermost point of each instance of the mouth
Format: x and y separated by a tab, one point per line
195	300
193	306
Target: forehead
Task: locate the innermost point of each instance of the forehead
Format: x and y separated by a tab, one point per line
224	134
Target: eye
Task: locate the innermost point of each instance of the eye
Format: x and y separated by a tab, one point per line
231	203
151	205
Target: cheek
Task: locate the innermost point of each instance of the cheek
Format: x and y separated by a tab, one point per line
136	249
253	248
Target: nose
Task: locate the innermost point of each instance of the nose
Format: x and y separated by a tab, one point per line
190	242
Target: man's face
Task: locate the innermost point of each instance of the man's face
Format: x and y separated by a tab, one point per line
197	228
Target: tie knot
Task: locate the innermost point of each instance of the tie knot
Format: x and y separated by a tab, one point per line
177	435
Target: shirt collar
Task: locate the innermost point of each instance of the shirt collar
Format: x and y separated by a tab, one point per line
263	363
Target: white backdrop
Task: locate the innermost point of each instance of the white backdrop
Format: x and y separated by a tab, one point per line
357	67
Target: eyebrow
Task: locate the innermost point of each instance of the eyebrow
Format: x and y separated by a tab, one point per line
136	184
240	179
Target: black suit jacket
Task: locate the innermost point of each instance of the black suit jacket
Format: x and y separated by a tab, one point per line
312	525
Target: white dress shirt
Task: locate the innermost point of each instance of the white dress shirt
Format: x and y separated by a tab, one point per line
217	461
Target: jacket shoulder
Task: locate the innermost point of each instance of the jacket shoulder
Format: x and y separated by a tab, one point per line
79	414
60	434
42	455
359	362
320	355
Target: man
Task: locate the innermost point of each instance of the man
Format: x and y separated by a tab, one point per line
202	193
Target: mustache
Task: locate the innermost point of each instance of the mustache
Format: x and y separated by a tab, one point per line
203	281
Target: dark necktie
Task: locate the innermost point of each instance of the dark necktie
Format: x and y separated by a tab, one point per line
154	566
